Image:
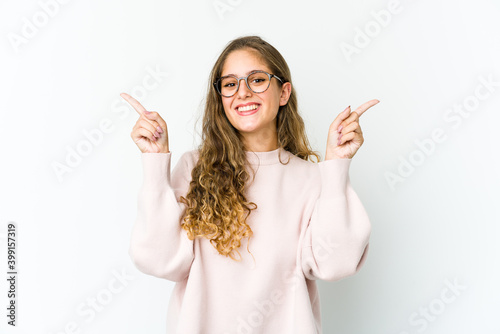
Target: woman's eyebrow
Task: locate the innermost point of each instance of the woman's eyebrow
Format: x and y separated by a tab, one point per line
236	75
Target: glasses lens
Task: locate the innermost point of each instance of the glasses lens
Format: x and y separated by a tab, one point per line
258	82
228	86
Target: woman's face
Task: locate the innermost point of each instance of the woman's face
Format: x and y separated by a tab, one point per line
257	127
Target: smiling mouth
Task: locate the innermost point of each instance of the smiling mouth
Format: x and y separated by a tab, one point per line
248	108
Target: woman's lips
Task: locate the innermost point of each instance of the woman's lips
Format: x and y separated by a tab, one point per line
249	112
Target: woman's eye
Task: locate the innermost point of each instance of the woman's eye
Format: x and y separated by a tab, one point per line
229	85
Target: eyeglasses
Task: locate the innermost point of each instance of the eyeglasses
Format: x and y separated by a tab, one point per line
257	82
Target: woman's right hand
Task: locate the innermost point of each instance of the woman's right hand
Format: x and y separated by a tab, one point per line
150	131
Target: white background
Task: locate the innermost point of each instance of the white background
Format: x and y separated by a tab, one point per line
438	224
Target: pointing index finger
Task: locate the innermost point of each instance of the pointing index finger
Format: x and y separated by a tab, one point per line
365	106
134	103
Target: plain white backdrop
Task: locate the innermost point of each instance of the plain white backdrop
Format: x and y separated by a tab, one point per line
427	172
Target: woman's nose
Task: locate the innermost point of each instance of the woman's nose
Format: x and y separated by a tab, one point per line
243	89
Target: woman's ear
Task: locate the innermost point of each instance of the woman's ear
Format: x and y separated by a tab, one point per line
286	90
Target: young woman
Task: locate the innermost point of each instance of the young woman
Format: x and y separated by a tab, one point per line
249	186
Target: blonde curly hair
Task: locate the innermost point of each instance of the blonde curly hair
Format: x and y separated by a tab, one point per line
216	205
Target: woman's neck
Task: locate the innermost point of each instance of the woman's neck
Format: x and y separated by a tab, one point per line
259	143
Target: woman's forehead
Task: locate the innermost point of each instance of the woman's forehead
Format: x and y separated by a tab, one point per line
242	62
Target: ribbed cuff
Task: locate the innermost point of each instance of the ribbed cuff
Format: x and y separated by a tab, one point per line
156	169
334	177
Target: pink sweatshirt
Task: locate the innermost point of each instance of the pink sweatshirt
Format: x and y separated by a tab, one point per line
309	225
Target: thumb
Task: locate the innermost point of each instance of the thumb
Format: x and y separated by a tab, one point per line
148	114
340	117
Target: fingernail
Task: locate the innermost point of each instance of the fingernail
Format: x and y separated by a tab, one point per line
340	128
160	130
147	112
156	134
347	108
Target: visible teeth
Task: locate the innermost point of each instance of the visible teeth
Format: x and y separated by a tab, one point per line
246	108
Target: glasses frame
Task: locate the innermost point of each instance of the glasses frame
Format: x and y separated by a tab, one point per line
216	83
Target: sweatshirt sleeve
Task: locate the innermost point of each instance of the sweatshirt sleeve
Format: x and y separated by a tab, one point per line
336	240
158	245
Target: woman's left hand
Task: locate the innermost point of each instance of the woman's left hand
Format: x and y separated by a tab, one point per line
345	136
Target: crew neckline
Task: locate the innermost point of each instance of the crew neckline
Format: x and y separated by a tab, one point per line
266	158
